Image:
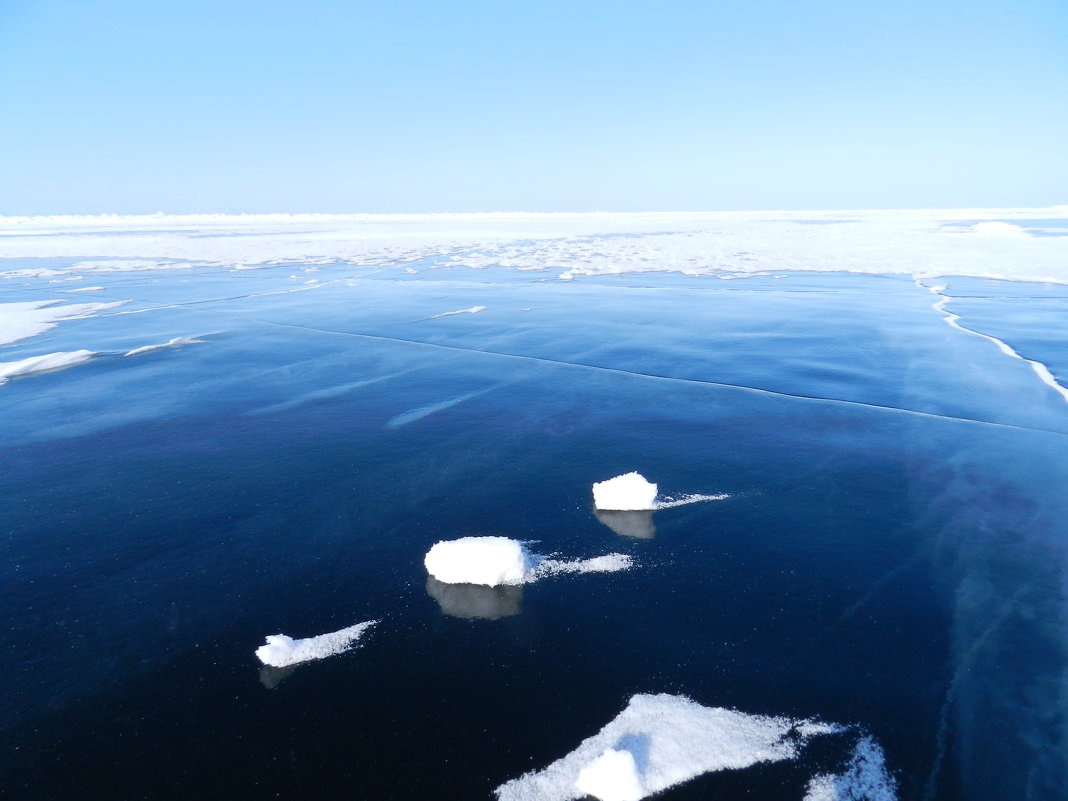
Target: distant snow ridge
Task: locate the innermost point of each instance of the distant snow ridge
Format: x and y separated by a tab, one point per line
496	561
282	651
631	492
43	364
659	741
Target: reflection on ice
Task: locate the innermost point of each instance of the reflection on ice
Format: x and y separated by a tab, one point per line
271	677
476	600
628	524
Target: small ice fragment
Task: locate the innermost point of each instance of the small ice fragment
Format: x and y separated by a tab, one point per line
282	651
626	493
478	560
613	776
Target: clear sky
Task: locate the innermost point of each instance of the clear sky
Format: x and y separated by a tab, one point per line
405	106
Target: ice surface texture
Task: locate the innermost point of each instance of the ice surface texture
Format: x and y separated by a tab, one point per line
659	741
282	651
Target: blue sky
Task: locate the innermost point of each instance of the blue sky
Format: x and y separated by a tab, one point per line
130	107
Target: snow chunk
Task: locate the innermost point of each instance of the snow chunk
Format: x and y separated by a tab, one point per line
478	560
613	776
497	561
626	493
670	739
864	779
282	651
171	343
43	364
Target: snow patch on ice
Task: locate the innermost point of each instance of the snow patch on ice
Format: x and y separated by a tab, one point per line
683	500
609	563
613	776
670	739
865	778
282	651
43	364
472	310
82	289
177	342
28	319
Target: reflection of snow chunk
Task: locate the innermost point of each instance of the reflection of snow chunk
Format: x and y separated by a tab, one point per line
864	779
478	560
613	776
281	651
627	493
472	310
671	740
43	364
171	343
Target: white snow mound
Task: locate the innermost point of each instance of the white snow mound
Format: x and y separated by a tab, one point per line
626	493
670	739
282	651
478	560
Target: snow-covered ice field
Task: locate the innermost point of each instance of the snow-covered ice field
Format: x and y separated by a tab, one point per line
852	429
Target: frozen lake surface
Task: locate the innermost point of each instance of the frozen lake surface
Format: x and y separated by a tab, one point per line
249	427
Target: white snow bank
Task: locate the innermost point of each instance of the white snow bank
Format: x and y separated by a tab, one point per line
472	310
28	319
659	741
281	651
626	493
43	364
864	779
496	561
995	228
478	560
171	343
